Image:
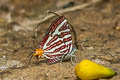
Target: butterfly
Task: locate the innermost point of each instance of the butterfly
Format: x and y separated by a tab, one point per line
57	44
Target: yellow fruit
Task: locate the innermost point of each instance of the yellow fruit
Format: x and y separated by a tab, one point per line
88	70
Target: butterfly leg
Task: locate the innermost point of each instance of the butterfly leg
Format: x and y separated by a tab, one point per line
30	57
72	60
73	56
62	59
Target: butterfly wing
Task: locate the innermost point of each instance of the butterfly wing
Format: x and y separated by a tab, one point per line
57	41
56	24
53	48
54	60
61	28
53	29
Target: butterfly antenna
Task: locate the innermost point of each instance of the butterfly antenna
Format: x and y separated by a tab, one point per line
41	20
53	13
75	36
36	29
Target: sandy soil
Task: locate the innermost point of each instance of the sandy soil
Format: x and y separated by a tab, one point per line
97	28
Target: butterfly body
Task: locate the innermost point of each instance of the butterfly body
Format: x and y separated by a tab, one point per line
57	44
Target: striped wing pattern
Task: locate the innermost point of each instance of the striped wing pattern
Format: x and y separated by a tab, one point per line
57	41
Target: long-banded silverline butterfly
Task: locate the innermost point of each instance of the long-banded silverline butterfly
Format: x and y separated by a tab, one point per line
57	44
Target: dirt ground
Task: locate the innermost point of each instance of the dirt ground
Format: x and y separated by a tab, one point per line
97	28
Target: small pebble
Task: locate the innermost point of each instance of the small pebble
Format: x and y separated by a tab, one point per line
90	48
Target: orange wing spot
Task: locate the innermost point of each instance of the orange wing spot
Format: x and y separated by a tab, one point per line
38	52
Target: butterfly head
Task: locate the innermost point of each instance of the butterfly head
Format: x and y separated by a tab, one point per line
38	52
